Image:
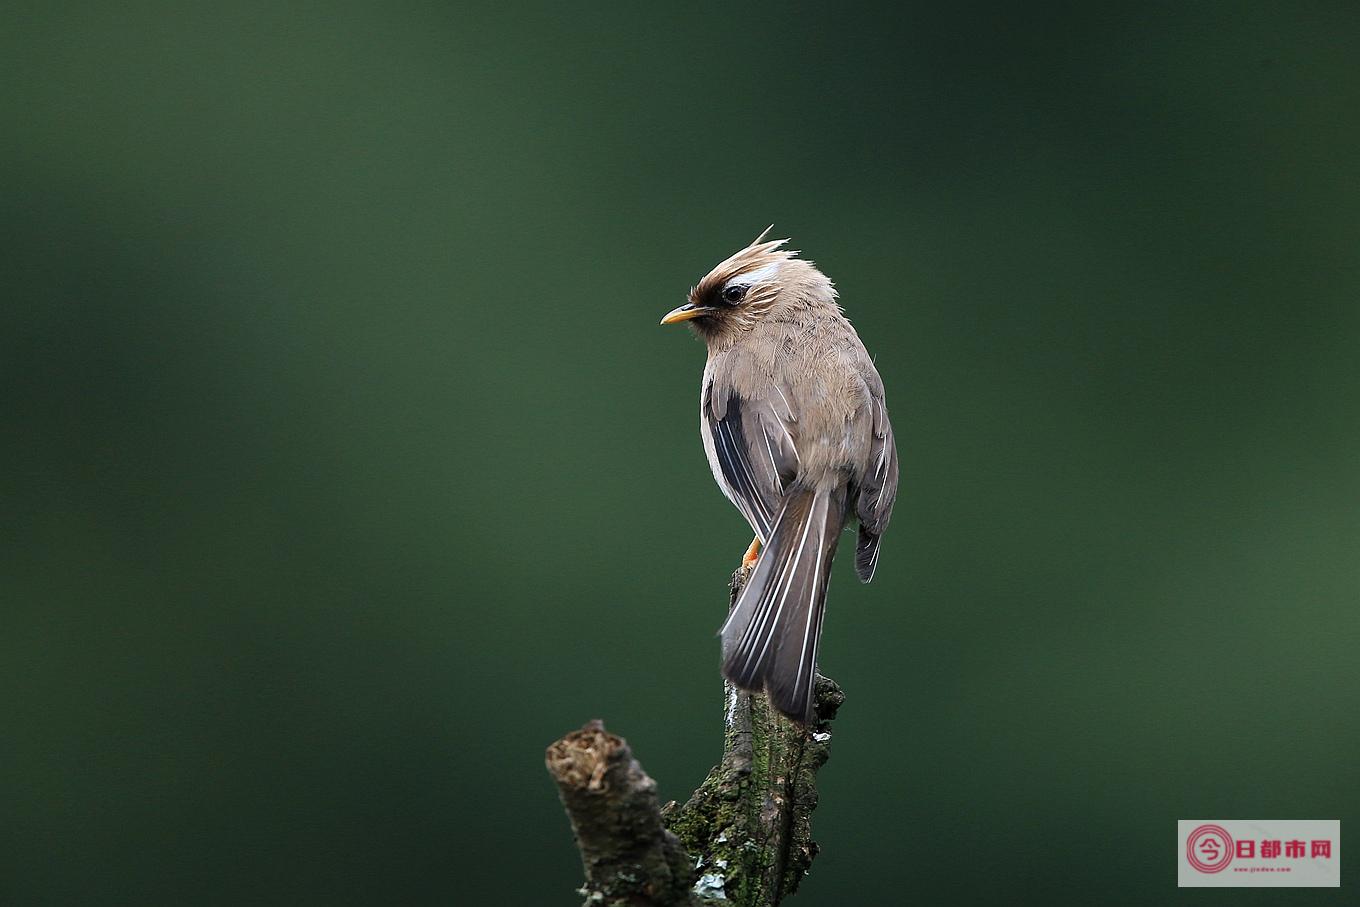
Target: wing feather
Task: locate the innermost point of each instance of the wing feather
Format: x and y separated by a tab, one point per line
878	489
753	452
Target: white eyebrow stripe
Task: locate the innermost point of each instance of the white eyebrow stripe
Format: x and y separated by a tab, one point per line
759	275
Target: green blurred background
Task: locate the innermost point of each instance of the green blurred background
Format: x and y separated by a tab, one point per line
344	465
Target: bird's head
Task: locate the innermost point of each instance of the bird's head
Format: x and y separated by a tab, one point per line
742	290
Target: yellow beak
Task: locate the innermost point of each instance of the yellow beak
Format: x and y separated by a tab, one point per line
685	313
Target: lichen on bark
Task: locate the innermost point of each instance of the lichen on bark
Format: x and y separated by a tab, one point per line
750	820
743	839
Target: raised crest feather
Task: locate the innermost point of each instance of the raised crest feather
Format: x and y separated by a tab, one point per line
761	255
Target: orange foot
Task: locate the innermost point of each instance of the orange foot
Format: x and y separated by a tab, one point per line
749	559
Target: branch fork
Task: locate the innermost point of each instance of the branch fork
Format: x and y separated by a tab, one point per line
744	837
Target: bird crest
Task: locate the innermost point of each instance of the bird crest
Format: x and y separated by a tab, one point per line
758	260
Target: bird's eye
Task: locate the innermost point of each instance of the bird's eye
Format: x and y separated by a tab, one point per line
734	294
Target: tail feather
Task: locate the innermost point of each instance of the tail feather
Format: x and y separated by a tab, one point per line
770	637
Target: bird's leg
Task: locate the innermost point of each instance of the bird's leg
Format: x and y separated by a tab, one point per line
752	553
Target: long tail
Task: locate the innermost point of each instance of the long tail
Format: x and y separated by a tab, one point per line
770	638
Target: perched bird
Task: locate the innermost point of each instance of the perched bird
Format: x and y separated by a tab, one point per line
797	435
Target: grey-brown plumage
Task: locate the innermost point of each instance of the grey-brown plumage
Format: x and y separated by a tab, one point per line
797	435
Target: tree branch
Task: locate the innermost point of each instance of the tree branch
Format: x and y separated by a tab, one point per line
743	839
630	858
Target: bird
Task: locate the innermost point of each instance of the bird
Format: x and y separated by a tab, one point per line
797	435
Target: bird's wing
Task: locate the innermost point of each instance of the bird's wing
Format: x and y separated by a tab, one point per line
753	450
878	488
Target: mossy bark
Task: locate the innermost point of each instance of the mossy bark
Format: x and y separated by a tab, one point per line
751	819
743	839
